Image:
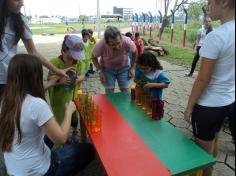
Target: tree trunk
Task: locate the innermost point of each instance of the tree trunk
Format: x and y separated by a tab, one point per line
165	23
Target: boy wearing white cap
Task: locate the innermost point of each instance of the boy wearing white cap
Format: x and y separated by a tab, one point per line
72	54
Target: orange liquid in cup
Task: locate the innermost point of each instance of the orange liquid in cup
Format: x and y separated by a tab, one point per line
96	122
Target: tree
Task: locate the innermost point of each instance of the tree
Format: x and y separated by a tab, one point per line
176	5
195	10
83	18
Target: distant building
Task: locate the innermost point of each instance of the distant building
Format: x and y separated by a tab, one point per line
125	12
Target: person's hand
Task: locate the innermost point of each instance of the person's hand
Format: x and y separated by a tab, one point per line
53	81
92	39
62	72
63	80
70	107
188	115
79	79
149	86
131	73
102	78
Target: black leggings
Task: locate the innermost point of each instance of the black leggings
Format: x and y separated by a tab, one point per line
195	60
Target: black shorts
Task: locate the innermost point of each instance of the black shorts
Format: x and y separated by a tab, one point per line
208	121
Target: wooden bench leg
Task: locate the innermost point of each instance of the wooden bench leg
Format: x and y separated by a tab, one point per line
198	173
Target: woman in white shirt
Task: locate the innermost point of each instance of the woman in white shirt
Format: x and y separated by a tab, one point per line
201	35
13	27
213	95
25	119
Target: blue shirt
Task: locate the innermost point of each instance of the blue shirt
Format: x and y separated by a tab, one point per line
157	76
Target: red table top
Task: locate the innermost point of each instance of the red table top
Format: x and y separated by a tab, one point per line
121	150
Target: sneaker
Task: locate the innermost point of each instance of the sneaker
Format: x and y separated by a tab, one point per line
189	75
91	71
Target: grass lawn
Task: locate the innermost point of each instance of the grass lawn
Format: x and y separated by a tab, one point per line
178	55
39	29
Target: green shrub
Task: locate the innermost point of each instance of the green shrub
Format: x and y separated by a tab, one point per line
191	37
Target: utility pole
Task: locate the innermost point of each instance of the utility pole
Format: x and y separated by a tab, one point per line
156	11
161	4
98	19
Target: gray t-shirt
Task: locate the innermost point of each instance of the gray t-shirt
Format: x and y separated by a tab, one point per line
219	45
10	48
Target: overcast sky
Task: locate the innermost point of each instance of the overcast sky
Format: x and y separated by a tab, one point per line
75	8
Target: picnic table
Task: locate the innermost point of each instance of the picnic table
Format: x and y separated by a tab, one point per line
131	144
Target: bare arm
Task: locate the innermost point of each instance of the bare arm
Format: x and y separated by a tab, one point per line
156	86
30	47
202	81
96	63
98	68
132	67
134	60
52	81
59	134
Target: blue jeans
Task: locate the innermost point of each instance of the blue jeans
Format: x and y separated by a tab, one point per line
70	159
122	77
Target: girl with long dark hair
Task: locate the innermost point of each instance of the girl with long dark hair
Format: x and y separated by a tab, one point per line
13	27
26	117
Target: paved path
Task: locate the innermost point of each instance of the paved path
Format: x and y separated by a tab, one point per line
176	97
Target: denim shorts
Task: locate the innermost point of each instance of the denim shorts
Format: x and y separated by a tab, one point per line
122	77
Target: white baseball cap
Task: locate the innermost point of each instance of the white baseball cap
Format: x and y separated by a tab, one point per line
76	47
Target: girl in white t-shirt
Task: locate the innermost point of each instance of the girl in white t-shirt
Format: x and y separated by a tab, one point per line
13	27
213	95
201	35
25	119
